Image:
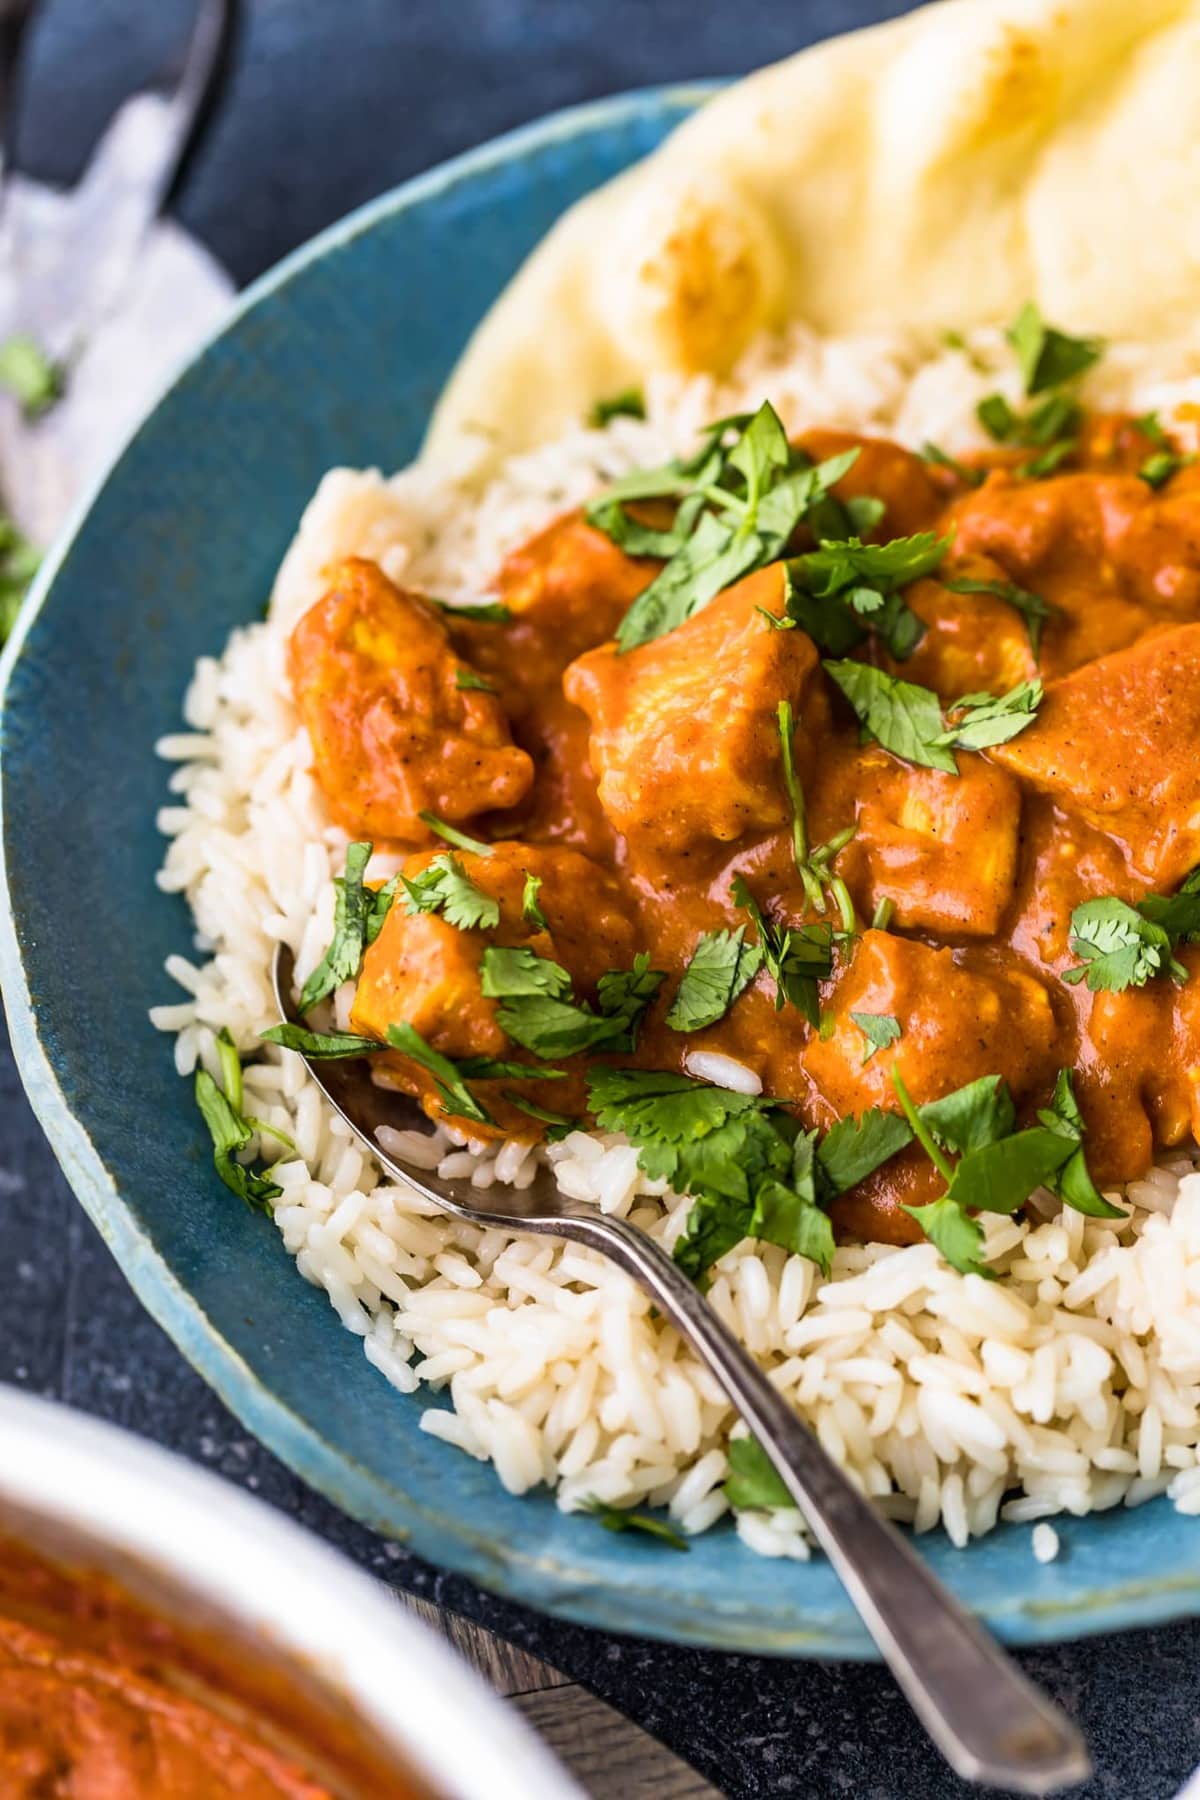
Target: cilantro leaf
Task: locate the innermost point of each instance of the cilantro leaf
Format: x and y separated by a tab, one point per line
471	681
618	1518
753	1483
629	403
493	613
455	1095
1047	357
958	1236
865	579
444	886
980	1113
358	916
788	1212
879	1029
854	1148
997	417
624	995
30	375
19	563
1033	609
1158	468
1000	1177
655	1106
1073	1181
970	477
981	721
721	967
453	835
537	1010
796	957
531	912
557	1124
320	1044
904	718
742	1159
739	505
231	1131
506	973
1120	946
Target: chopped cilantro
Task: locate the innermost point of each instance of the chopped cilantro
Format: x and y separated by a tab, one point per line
753	1482
740	502
231	1130
1033	609
997	417
999	1167
320	1044
845	588
539	1012
1047	357
795	956
745	1162
359	913
493	613
1124	946
453	835
982	720
455	1095
721	967
558	1125
471	681
30	375
19	563
879	1029
630	403
933	453
904	718
815	867
617	1518
1047	461
531	912
1158	468
444	886
854	1148
1049	361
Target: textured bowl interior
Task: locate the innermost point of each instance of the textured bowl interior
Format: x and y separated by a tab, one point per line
337	358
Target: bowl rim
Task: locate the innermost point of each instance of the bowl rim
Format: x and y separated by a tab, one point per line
263	1571
554	1584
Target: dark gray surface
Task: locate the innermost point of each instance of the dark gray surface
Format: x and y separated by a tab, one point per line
332	101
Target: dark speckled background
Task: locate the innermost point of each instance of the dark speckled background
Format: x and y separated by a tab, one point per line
329	103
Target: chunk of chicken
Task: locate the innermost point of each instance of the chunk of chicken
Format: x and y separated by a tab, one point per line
685	731
394	729
424	971
958	1021
942	848
1118	742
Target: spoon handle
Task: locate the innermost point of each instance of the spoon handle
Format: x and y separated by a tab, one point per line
990	1723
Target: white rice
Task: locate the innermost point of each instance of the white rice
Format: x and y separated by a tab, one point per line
1071	1384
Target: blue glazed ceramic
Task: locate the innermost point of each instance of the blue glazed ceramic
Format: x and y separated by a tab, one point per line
337	358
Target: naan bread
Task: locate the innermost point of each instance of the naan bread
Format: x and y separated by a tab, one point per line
933	172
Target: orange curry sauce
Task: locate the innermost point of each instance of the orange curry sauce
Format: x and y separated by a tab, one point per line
636	785
102	1698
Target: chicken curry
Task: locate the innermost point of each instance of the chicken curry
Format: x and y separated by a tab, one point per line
821	770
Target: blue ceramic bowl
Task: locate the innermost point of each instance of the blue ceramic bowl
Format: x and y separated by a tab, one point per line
337	358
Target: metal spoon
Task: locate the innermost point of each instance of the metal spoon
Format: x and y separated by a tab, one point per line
989	1722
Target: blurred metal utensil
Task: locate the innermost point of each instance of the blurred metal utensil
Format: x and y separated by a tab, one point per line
67	263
